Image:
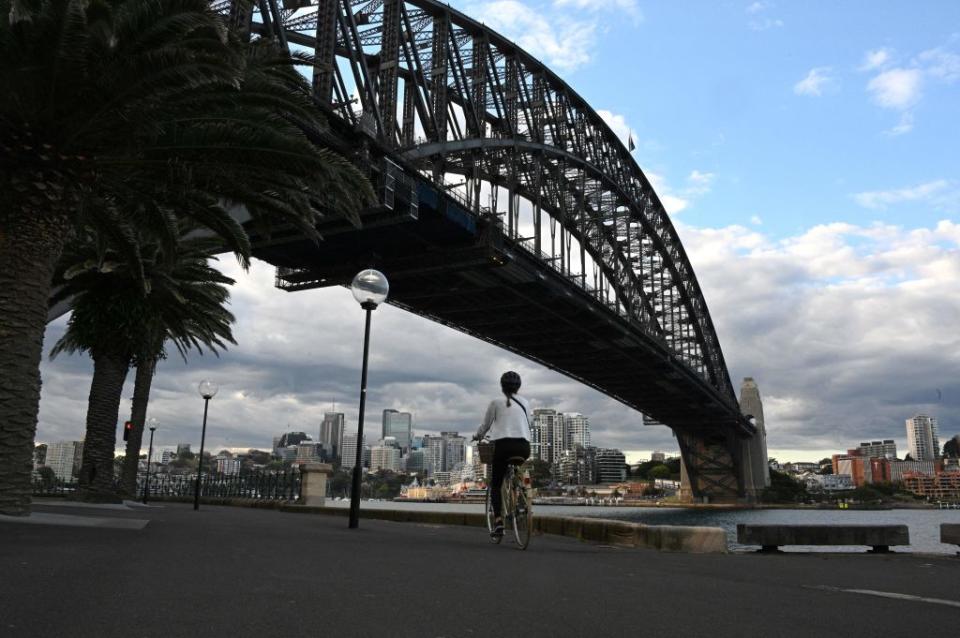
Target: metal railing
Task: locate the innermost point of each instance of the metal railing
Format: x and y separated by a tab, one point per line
261	485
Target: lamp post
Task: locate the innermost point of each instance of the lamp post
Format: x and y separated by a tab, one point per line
206	389
146	484
370	289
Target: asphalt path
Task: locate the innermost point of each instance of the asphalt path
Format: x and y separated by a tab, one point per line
241	572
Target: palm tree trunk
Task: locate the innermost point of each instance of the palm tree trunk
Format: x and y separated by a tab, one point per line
103	410
30	245
138	415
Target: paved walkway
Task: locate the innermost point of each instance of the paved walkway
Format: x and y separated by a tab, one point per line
243	572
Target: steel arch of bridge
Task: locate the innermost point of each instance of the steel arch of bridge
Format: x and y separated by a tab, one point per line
450	97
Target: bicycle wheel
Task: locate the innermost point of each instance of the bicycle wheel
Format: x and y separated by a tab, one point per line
490	519
522	512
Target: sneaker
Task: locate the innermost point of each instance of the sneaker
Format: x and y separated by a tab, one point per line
497	530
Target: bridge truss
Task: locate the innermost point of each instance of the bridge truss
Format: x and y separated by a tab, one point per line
469	112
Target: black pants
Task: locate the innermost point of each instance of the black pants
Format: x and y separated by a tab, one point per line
504	449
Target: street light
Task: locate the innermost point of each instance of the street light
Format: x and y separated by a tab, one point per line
370	289
206	389
152	422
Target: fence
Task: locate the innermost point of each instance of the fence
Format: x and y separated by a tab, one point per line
271	486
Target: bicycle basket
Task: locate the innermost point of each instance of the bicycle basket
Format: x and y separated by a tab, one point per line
485	448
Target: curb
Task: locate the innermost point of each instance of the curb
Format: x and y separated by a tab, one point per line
665	538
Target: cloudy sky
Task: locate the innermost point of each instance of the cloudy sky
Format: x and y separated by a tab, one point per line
807	155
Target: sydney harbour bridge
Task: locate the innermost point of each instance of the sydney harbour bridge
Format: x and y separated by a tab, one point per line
507	210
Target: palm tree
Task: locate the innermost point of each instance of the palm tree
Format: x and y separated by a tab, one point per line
121	112
121	316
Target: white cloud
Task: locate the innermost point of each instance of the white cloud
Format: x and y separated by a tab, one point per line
757	7
896	88
699	183
764	24
941	64
558	40
618	124
875	59
878	200
756	220
673	203
629	7
814	82
905	125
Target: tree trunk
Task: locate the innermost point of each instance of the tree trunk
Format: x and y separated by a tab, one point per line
30	245
103	410
138	415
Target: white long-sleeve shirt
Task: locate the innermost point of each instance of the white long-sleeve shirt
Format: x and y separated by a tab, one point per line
506	422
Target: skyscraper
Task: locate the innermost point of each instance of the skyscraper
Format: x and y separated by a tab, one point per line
578	430
398	425
455	450
61	458
922	438
349	456
548	435
331	434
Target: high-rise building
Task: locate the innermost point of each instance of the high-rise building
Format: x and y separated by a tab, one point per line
611	466
922	438
548	435
434	454
578	430
61	458
413	462
183	449
399	425
658	456
385	457
349	456
455	450
227	465
886	449
331	434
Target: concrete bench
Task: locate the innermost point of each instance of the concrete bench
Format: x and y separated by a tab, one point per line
770	537
950	533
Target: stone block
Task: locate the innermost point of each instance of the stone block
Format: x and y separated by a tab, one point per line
950	533
313	483
769	537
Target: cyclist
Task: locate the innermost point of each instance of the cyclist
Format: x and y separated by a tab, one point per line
507	425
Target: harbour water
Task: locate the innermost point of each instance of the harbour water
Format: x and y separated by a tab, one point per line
924	524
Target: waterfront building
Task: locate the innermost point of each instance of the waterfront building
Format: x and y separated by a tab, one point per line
435	453
658	456
385	457
227	465
62	458
578	465
611	466
289	454
349	457
442	478
166	456
828	482
922	438
398	425
577	429
885	449
331	434
899	469
941	486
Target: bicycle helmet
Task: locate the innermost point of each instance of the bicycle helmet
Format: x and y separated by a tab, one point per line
510	382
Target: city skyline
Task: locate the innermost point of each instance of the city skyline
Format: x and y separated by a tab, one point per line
803	156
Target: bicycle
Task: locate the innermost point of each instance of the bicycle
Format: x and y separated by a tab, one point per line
517	502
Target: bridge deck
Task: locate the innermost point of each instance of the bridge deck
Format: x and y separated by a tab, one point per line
460	270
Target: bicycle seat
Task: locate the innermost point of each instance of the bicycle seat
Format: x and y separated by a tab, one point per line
516	460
